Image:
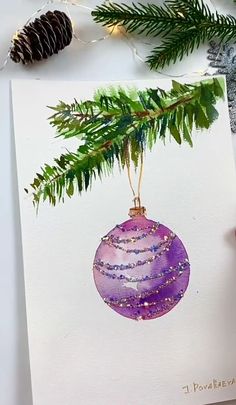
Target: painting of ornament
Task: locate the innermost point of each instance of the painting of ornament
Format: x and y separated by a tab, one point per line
152	289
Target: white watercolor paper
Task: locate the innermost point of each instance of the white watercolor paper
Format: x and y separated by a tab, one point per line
82	352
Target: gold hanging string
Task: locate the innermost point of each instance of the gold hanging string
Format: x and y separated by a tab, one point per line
130	179
140	175
137	197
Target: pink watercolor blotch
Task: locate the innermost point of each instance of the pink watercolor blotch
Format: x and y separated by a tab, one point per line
141	269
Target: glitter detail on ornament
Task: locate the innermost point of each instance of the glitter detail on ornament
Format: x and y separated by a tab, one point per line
134	283
152	248
113	238
180	268
149	260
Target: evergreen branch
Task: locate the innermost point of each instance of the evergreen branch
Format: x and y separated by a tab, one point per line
213	24
184	23
175	47
73	169
117	120
148	19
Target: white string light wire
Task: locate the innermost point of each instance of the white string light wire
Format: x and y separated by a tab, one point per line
66	3
114	29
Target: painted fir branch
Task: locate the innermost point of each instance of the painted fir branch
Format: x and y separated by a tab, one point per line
182	24
118	124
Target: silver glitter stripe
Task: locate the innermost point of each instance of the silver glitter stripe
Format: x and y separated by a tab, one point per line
149	304
152	248
122	267
133	239
181	266
136	228
166	306
125	302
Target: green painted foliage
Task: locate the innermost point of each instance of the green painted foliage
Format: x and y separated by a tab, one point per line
118	124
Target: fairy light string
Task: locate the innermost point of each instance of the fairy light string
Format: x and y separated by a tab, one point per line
116	29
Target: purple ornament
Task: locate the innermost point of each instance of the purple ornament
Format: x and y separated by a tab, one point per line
141	269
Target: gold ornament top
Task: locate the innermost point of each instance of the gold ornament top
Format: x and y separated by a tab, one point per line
137	210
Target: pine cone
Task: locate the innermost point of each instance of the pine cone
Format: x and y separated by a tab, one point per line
45	36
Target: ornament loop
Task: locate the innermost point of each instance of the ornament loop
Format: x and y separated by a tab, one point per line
137	202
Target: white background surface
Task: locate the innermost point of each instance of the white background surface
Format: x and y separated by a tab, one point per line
77	344
111	59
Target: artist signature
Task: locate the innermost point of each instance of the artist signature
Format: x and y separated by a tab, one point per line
214	384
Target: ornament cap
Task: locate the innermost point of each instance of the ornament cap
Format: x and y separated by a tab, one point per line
137	210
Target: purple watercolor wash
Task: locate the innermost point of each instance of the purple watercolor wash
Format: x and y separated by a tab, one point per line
141	269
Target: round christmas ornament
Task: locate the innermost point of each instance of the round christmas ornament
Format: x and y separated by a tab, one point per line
141	268
45	36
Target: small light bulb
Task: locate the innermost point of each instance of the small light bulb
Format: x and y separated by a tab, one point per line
114	29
